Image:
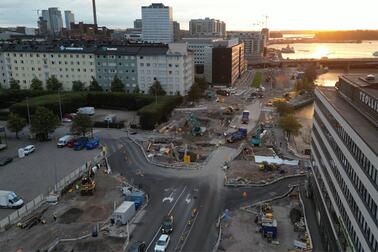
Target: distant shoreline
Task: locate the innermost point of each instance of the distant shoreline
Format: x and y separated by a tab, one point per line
313	41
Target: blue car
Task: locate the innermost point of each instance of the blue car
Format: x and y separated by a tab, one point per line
80	143
92	143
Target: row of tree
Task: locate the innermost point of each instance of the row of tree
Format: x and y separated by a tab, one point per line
53	84
44	121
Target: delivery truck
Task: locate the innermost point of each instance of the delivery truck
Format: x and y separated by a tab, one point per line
10	199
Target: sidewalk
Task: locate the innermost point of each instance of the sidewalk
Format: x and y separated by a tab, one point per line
311	222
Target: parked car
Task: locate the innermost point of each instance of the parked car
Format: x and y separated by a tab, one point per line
162	244
167	225
62	142
80	143
29	149
9	199
5	160
92	143
138	246
71	143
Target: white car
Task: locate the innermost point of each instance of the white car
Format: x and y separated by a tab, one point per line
162	244
29	149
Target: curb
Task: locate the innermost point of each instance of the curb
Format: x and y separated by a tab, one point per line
266	184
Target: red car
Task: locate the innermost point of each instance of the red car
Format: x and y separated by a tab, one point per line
71	143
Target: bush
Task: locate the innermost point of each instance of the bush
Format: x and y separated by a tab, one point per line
119	100
153	113
9	97
70	102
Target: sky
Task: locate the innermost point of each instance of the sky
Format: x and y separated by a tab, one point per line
238	14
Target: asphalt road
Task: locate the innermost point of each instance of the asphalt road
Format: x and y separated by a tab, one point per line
178	192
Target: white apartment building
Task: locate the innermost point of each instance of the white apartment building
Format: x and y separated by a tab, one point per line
174	69
157	23
4	78
344	163
66	64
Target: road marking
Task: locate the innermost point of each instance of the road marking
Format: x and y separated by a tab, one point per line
170	198
187	199
169	213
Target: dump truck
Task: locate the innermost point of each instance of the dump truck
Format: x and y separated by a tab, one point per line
245	117
238	135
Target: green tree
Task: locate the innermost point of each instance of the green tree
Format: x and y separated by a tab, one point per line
14	85
15	123
43	122
195	92
117	85
156	89
283	108
36	84
53	84
94	86
81	125
310	73
136	90
78	86
290	124
202	83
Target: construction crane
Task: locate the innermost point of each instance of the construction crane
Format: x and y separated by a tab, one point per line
266	20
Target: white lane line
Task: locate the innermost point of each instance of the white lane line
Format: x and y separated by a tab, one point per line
170	211
169	198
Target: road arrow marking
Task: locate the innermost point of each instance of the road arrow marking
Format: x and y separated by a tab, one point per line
187	199
170	198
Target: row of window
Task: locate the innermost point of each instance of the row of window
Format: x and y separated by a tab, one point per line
368	167
115	71
52	62
344	215
359	186
21	55
348	196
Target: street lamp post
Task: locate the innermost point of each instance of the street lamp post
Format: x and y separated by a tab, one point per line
27	108
60	107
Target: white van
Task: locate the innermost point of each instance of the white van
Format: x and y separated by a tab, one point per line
86	111
64	140
10	199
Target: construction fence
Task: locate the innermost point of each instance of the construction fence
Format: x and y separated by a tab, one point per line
18	214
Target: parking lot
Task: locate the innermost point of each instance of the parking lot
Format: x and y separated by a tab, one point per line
38	172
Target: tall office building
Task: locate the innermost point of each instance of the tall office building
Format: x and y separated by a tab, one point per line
207	28
157	23
254	42
138	24
176	31
54	20
69	18
344	159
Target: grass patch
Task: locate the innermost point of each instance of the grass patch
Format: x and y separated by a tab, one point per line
256	82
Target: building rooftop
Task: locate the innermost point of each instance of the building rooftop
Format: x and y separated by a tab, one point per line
87	47
361	125
368	83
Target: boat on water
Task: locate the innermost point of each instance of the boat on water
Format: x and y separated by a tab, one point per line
288	49
375	54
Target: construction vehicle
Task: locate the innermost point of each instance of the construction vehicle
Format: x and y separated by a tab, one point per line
256	138
87	183
197	130
228	110
245	117
238	135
